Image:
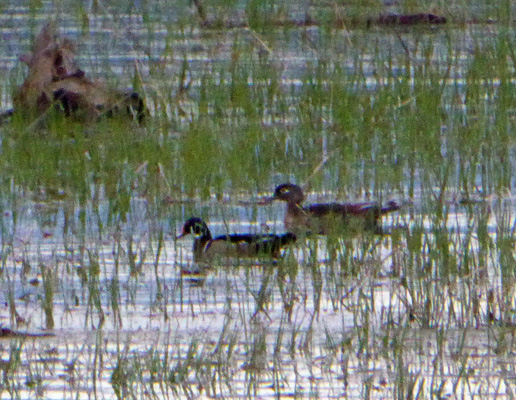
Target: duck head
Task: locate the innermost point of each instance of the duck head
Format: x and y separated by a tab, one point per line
196	227
290	193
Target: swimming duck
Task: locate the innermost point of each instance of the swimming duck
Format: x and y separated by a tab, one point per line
329	217
206	247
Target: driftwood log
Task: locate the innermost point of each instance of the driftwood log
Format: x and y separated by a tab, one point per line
382	19
9	333
408	19
54	80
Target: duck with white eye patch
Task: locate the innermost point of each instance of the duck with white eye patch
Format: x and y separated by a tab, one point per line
233	246
329	218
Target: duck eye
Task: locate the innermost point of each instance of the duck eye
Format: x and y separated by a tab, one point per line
285	190
198	229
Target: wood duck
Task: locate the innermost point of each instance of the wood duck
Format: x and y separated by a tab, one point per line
329	217
233	246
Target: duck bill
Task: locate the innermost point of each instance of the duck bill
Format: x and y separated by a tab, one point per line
182	235
267	200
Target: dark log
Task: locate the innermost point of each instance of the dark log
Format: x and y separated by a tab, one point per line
408	19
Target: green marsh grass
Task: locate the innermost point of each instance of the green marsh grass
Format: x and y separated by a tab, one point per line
421	115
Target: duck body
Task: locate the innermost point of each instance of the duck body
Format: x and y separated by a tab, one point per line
207	248
329	218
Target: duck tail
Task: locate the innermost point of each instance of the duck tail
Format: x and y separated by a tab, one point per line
288	238
390	207
281	241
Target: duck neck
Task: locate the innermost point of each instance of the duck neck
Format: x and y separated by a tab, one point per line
294	208
200	244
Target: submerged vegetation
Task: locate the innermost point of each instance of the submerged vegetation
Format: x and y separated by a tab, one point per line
421	115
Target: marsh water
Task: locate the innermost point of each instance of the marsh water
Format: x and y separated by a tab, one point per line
421	115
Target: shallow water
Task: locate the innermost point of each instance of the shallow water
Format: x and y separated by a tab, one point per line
309	324
333	319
